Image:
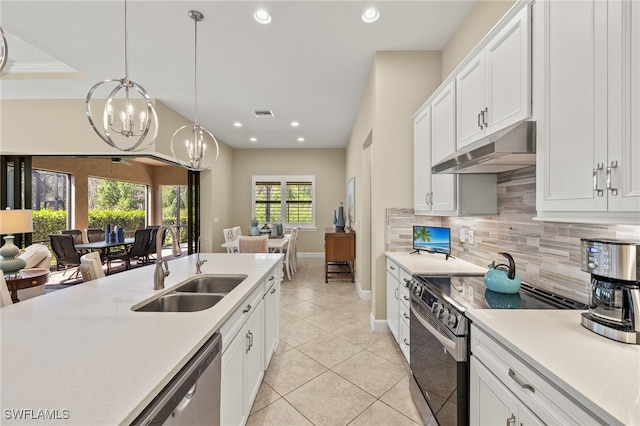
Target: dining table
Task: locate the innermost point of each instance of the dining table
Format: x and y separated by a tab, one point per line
275	244
104	246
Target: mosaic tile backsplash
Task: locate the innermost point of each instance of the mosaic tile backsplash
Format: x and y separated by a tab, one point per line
547	254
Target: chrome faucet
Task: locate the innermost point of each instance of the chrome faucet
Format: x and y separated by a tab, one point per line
199	262
162	269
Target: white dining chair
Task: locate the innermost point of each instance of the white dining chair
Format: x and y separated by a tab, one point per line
248	244
230	234
294	256
91	266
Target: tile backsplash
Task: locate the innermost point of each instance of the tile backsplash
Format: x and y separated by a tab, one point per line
547	254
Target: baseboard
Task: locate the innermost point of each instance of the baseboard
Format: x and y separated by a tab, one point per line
378	326
364	294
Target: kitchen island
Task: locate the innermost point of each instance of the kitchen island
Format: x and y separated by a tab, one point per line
601	377
83	355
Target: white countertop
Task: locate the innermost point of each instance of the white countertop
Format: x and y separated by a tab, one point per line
433	264
84	350
601	374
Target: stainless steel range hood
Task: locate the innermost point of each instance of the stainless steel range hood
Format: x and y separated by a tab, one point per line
508	149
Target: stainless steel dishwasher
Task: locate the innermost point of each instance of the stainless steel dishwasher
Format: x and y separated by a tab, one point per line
192	397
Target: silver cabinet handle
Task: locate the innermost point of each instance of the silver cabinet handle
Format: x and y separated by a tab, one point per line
392	268
247	309
479	122
405	341
485	112
613	165
404	314
406	298
396	296
511	420
272	278
525	386
407	282
596	171
248	342
273	290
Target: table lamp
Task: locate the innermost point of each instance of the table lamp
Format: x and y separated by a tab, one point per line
13	222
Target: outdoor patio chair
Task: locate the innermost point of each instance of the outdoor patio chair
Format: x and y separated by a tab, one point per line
64	249
138	250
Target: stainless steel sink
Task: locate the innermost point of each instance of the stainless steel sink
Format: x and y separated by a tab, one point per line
181	302
217	284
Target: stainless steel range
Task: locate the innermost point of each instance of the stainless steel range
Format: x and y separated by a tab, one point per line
439	338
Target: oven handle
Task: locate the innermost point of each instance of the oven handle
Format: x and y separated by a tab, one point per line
450	345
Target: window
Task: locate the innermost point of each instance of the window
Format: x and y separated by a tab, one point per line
286	199
117	202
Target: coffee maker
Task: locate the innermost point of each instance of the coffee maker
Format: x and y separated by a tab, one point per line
614	298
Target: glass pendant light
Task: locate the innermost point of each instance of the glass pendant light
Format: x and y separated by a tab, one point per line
121	127
4	50
189	143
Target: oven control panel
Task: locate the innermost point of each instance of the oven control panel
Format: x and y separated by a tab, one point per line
440	310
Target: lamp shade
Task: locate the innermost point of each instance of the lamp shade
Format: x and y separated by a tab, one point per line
15	221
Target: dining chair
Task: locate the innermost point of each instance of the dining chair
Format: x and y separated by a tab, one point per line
294	247
91	266
5	296
230	235
76	234
247	244
138	250
64	250
94	234
288	259
151	255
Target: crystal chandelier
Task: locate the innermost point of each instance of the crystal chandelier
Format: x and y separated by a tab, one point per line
128	132
191	145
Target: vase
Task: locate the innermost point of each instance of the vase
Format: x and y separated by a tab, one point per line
340	218
335	218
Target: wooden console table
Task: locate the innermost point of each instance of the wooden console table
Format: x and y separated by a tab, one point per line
26	278
339	254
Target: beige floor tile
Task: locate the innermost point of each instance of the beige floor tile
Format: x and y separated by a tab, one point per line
329	350
282	348
287	300
381	414
330	320
286	318
299	332
329	400
331	301
266	395
290	370
279	413
303	309
399	398
360	335
387	348
370	372
302	293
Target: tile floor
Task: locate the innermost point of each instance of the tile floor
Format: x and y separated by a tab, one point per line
329	367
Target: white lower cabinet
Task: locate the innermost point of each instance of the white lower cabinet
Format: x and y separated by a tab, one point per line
398	305
492	403
249	338
392	297
504	390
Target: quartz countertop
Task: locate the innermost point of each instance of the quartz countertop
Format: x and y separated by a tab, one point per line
433	264
601	374
82	354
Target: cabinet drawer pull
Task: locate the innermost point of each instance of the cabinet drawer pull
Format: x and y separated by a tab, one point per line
406	298
596	171
525	386
248	343
479	122
392	268
511	420
247	309
273	290
485	112
404	314
396	295
405	341
272	278
613	165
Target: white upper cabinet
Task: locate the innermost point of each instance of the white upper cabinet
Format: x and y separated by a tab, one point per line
443	143
587	105
422	161
493	89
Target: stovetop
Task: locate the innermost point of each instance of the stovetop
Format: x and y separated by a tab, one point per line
470	292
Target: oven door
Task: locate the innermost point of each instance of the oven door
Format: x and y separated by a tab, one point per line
440	369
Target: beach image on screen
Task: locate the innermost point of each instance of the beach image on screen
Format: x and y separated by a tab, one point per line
430	238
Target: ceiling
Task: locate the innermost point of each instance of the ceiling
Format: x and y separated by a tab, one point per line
308	65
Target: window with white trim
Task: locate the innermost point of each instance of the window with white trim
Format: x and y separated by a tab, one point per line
286	199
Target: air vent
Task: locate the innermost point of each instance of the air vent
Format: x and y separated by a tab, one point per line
264	113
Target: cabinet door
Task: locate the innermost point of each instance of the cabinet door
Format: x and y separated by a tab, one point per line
254	365
490	402
443	143
624	106
571	98
470	95
392	304
232	383
508	74
422	161
271	320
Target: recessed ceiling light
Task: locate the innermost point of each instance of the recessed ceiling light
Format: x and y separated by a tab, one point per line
253	139
237	124
300	139
262	16
370	15
294	124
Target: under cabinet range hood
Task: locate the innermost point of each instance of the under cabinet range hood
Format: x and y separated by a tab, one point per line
509	149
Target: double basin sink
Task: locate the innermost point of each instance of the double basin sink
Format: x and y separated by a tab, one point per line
197	294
